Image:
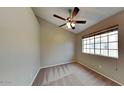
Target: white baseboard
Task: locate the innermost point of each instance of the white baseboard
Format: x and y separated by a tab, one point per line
35	76
101	74
57	64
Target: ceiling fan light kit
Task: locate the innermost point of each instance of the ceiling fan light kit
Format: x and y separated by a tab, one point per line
69	21
68	25
73	24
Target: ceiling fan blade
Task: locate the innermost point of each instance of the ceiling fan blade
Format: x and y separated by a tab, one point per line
59	17
80	22
75	11
62	25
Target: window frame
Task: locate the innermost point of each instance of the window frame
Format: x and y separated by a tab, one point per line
101	32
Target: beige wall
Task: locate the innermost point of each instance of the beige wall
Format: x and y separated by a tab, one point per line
19	46
57	45
107	64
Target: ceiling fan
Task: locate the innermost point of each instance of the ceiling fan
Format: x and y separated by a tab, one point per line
70	22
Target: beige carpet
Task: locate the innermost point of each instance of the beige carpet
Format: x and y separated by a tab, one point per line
72	74
69	80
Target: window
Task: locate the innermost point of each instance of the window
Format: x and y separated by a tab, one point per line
104	43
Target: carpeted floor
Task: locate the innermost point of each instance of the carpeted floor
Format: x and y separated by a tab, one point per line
72	74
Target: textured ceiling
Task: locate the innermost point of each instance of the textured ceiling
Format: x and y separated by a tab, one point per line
92	15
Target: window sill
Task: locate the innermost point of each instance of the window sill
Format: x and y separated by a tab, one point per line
101	56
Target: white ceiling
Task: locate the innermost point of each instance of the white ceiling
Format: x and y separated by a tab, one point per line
92	15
